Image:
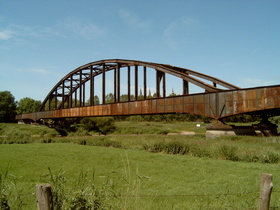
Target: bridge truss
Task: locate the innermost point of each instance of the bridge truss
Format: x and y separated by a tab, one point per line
70	91
218	100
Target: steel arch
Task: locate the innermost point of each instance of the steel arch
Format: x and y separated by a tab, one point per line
76	79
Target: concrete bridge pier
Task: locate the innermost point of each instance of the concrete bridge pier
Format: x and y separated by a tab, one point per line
263	129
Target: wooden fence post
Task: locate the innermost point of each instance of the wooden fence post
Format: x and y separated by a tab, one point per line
44	197
266	189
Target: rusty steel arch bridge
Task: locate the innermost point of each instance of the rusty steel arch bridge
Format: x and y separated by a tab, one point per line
218	99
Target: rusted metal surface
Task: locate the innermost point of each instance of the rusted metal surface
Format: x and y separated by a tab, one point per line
70	91
260	100
68	96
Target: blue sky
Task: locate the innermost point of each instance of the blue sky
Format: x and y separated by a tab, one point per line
41	41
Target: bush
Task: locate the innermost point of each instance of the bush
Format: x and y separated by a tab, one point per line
270	158
169	148
251	158
47	140
199	151
107	143
84	195
177	148
158	147
102	125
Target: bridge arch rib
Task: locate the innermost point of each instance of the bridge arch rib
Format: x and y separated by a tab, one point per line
70	91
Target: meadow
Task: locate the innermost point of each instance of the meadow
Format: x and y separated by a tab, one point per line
126	170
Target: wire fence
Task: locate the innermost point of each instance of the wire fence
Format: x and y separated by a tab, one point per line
255	195
155	196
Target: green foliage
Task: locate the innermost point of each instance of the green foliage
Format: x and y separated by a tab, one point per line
275	120
174	147
101	142
270	157
28	105
167	118
103	125
109	98
136	127
3	192
229	152
240	150
96	101
145	127
58	189
241	118
177	148
131	179
233	148
11	192
124	97
7	107
21	134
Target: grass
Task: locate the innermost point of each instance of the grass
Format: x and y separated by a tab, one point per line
15	133
153	139
161	181
127	127
131	171
241	148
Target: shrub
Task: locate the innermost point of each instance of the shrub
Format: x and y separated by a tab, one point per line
102	125
83	142
199	151
229	153
47	140
177	148
270	158
84	195
3	192
158	147
107	143
251	158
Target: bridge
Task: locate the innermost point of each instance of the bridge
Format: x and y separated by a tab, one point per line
74	94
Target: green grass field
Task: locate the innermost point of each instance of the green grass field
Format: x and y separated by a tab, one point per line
132	176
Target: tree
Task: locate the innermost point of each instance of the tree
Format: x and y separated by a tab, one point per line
172	93
28	105
109	98
150	94
96	101
7	107
124	97
141	96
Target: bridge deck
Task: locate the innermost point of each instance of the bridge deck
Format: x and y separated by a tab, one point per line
218	105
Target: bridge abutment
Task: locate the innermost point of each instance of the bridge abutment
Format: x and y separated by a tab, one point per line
263	129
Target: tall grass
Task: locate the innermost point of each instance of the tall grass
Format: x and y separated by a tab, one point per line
87	177
152	171
233	148
20	134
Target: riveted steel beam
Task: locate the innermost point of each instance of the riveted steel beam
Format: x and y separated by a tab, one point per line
75	81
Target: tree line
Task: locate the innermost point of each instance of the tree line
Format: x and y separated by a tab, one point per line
9	107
